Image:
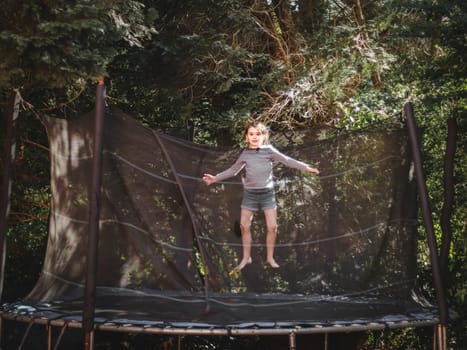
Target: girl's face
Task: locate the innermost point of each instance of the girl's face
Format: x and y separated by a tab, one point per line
254	137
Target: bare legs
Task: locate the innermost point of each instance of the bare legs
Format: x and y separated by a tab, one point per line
271	224
246	217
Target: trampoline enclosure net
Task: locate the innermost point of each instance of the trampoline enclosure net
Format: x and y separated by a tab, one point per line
348	234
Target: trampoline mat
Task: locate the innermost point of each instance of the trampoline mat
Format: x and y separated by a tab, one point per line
185	310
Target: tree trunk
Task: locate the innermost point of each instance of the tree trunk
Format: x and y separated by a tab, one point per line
363	39
277	23
289	31
306	9
446	212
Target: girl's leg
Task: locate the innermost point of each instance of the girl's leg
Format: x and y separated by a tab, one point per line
246	216
271	224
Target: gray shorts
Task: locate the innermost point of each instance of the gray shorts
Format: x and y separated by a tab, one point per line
260	199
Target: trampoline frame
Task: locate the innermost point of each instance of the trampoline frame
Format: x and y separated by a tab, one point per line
89	324
290	332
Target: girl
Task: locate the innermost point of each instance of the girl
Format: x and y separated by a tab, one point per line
258	185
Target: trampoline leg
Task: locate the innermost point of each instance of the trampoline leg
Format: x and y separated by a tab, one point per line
26	334
89	340
49	337
439	339
326	341
292	340
179	342
59	339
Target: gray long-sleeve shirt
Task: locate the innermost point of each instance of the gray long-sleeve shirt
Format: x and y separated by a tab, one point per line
258	166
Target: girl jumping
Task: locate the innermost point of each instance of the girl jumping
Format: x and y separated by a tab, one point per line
258	194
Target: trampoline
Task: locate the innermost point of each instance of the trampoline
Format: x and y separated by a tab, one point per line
168	243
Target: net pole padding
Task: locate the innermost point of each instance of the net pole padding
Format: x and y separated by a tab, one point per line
94	213
7	168
427	217
190	213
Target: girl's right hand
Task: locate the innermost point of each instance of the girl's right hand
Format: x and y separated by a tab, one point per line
314	171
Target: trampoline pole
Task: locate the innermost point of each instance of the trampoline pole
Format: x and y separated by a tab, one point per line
427	217
8	162
94	213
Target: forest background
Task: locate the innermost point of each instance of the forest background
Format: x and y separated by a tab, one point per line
198	69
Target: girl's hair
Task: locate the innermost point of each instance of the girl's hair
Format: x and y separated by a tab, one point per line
263	129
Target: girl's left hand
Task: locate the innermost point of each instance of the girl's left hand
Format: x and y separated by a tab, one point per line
209	179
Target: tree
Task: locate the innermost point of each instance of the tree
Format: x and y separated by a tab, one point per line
427	37
47	46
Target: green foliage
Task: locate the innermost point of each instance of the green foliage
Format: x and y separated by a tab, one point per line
406	338
28	225
63	44
205	68
431	68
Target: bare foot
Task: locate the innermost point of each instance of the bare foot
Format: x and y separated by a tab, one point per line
243	263
273	263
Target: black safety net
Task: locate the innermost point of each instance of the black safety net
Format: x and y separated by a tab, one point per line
168	243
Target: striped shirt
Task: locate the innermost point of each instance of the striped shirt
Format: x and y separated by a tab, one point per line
258	166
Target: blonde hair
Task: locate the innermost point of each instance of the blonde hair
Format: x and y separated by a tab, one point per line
263	129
